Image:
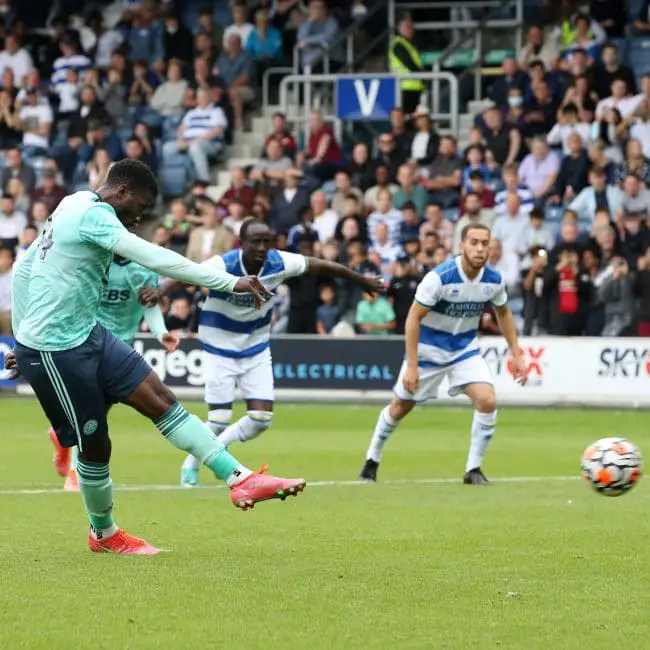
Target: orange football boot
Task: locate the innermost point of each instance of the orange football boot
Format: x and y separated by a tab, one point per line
71	484
61	457
260	487
122	544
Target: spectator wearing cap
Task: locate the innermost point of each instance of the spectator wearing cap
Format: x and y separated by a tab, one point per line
15	167
12	221
503	141
322	156
474	213
281	133
264	44
17	58
596	196
539	169
212	237
573	175
236	68
169	97
425	142
49	191
289	204
240	190
269	172
72	58
200	134
512	78
35	122
445	174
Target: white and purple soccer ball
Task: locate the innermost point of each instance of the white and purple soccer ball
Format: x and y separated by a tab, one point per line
612	466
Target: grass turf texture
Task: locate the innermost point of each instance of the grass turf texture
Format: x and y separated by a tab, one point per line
530	565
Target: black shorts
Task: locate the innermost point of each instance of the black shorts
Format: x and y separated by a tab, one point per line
77	387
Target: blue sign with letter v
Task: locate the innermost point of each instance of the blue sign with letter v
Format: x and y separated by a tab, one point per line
365	98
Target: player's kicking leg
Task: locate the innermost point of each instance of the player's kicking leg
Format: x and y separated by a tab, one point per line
387	422
483	423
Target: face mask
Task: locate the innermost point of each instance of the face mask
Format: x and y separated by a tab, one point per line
516	101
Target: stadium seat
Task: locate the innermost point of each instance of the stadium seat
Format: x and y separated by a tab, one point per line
173	179
553	213
638	55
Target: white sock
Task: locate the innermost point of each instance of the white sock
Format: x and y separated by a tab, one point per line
384	428
192	462
103	534
239	474
482	432
246	428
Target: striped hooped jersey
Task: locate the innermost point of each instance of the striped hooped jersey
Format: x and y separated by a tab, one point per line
229	324
456	303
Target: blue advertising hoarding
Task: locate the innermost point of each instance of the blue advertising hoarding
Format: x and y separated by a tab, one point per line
365	98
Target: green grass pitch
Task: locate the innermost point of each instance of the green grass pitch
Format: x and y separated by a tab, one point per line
524	564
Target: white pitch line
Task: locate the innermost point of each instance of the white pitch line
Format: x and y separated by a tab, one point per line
415	481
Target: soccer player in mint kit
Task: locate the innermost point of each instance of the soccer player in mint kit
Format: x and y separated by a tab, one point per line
77	368
129	295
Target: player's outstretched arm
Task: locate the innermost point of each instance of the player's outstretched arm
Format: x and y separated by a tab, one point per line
327	269
173	265
509	330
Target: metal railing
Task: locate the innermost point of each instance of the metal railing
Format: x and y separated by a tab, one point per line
346	36
293	82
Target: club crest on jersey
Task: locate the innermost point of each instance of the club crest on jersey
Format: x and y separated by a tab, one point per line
454	292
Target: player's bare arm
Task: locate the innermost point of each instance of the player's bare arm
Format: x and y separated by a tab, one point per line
507	325
324	268
412	336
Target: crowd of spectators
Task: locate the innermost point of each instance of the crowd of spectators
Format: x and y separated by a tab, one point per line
558	166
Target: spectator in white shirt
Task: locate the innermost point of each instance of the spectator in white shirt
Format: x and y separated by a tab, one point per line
240	26
385	213
35	123
539	169
383	251
200	134
324	220
619	99
567	124
16	58
12	222
539	48
510	229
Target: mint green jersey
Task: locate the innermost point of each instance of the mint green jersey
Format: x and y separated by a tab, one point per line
69	265
120	310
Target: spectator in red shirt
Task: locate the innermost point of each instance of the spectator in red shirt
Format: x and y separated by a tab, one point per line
239	190
283	135
477	186
323	155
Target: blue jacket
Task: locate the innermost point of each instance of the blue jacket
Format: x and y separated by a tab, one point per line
270	47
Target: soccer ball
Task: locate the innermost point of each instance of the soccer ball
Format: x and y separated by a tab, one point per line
612	466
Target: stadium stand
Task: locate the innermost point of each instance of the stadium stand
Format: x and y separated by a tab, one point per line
544	130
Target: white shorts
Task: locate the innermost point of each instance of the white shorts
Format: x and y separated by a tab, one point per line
252	375
472	370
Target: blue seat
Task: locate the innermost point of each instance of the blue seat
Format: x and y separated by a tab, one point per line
584	225
173	179
553	213
638	55
633	9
